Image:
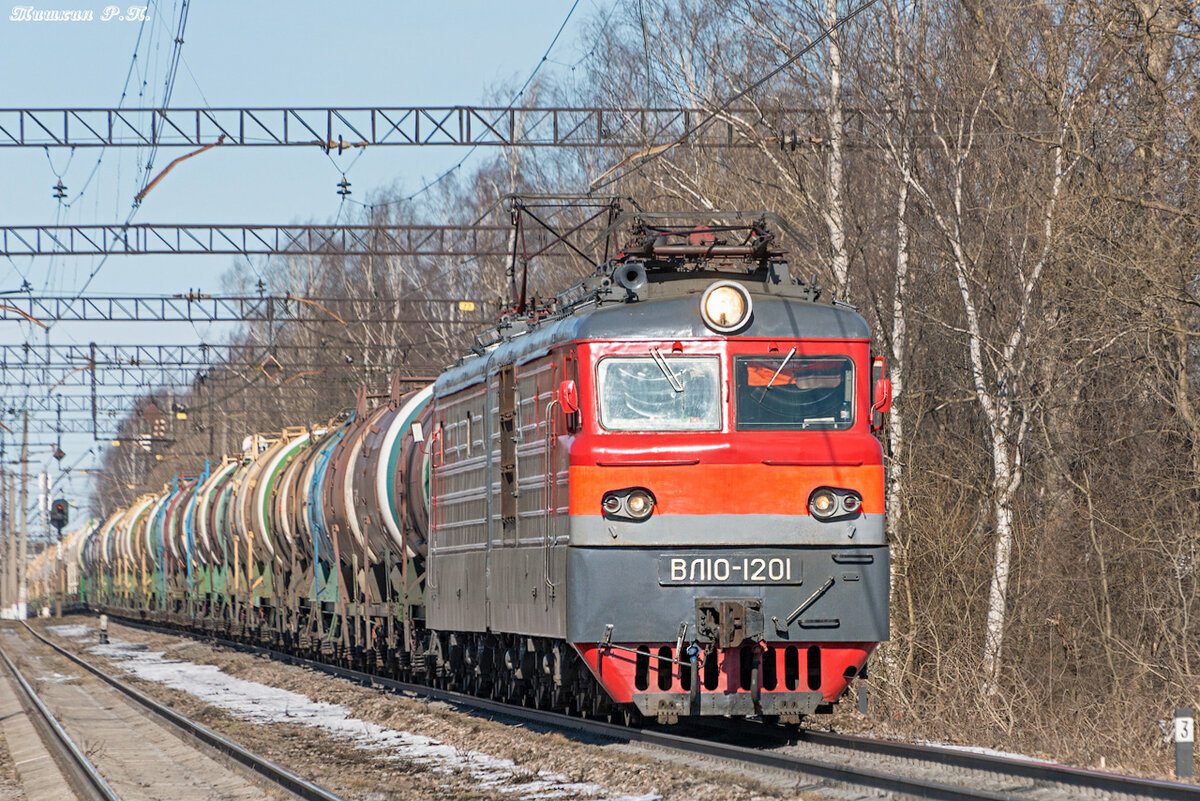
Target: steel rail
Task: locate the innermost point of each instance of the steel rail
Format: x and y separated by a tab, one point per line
277	775
1080	778
829	771
78	770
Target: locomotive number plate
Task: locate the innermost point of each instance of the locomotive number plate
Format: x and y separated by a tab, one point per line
695	569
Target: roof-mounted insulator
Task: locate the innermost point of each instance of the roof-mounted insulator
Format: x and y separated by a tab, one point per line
343	187
60	191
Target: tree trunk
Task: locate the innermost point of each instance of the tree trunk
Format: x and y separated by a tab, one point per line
835	185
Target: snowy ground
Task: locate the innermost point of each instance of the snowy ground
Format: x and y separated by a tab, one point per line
260	703
75	631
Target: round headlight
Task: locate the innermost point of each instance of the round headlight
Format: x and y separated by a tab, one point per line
725	306
640	504
611	504
851	502
823	504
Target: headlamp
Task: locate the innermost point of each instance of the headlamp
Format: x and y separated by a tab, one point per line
725	306
639	504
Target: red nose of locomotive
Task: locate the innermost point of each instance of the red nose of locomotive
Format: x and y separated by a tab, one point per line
726	501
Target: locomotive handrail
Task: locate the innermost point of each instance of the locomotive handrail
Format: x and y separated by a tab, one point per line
551	536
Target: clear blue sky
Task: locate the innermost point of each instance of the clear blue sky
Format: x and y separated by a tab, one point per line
298	53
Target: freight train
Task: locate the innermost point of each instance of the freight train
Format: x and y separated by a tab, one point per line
658	495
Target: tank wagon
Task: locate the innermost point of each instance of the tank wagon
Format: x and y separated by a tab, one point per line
55	571
659	494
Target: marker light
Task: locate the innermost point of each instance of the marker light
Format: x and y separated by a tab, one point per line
823	504
725	306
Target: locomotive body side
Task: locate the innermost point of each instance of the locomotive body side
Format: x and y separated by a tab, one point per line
499	527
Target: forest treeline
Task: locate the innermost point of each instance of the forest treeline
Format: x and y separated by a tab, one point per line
1009	193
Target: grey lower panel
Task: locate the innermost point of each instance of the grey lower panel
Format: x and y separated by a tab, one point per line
740	530
526	592
525	587
456	592
843	593
680	703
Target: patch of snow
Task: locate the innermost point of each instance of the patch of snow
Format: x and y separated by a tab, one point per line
77	630
14	612
261	703
120	649
57	678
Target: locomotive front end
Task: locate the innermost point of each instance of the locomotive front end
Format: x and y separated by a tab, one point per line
727	546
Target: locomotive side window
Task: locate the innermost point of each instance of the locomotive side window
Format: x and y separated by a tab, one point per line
660	393
792	392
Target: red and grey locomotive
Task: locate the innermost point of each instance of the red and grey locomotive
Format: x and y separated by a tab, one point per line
675	473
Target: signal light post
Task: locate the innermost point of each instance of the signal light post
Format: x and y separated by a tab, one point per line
22	552
60	512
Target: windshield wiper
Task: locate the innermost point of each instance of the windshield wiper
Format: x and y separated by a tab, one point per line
786	359
661	361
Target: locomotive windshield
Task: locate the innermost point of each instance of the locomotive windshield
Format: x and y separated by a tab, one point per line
660	393
790	392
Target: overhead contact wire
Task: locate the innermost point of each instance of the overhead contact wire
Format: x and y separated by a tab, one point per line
825	34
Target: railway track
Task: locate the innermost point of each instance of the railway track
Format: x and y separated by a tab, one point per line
916	771
97	729
79	771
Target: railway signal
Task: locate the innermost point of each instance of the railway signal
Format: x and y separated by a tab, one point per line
59	514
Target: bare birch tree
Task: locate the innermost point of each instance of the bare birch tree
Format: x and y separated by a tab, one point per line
997	346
